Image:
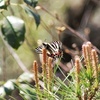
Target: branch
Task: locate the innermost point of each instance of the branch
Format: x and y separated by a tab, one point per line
14	55
78	34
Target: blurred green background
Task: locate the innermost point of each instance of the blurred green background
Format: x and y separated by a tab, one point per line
8	67
46	32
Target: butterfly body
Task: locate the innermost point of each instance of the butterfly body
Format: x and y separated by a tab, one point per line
54	49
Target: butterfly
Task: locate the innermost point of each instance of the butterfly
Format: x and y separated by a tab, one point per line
54	49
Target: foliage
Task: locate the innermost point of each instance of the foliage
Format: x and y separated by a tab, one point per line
81	83
31	2
32	14
4	4
13	28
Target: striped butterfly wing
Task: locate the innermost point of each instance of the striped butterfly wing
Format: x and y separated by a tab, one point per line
39	48
54	49
57	49
56	46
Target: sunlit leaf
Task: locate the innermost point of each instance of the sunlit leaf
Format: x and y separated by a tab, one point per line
31	2
29	93
2	92
28	77
9	86
4	4
33	14
13	29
